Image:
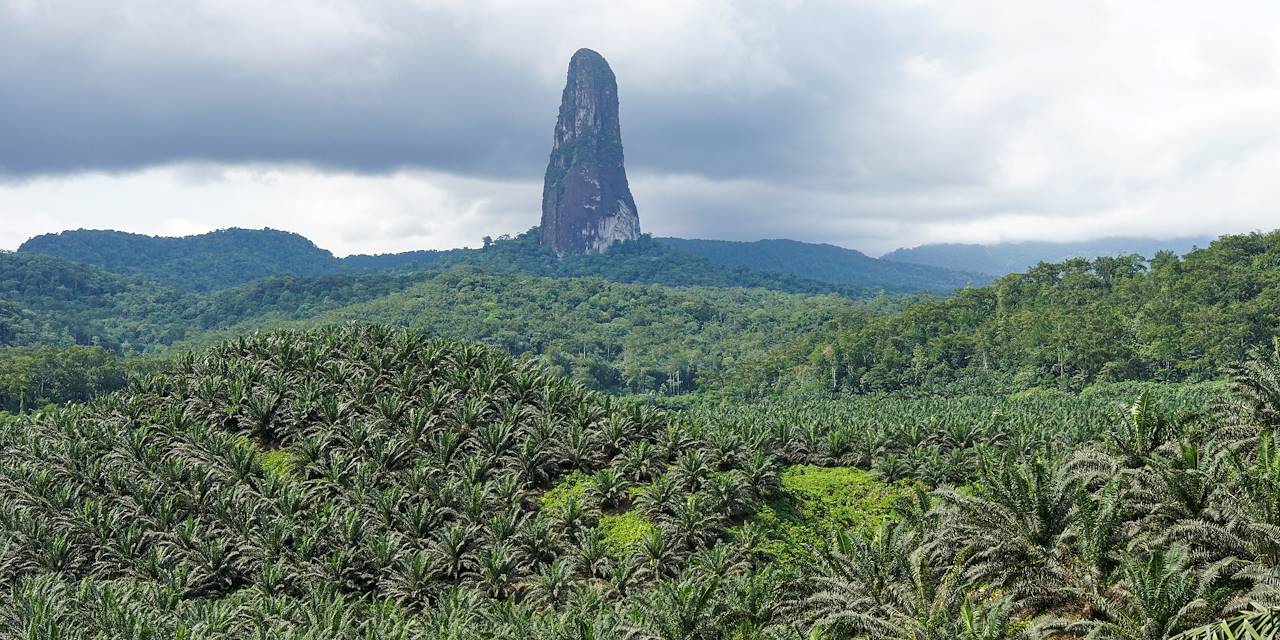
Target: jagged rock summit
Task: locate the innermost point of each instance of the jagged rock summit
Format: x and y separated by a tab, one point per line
586	203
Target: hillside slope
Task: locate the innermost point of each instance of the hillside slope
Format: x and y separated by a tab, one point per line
829	263
615	336
49	301
626	338
1063	325
202	262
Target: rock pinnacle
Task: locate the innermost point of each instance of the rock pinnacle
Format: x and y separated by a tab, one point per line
586	202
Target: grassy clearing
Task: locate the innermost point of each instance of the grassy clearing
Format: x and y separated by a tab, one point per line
816	501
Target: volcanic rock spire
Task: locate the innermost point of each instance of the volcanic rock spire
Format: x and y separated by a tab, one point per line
586	203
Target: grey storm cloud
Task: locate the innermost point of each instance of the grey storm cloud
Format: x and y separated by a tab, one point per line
869	123
91	99
140	84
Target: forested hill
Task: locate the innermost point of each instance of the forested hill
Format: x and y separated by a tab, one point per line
829	263
64	325
232	257
52	302
1059	325
622	338
204	262
1012	257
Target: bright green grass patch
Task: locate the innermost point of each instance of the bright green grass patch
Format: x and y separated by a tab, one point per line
574	484
278	462
817	501
840	496
625	531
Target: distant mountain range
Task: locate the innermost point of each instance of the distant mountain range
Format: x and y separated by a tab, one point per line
231	257
1013	257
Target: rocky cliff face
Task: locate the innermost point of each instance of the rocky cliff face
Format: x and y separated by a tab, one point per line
586	202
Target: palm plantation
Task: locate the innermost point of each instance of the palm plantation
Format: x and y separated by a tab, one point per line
363	482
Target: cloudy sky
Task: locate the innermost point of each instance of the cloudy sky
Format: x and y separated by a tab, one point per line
374	126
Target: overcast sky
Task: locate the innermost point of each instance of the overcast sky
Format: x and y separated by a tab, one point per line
373	126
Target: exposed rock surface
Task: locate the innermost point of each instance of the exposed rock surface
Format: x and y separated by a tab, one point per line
586	203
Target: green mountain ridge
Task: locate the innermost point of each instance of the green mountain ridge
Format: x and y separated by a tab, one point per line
622	337
230	257
828	263
1064	325
1057	325
197	263
1011	257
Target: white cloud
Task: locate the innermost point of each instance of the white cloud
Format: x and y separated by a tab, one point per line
343	212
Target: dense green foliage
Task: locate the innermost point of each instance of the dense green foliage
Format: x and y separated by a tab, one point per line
1259	623
815	503
31	378
368	482
1063	325
617	337
408	505
1058	325
204	262
233	257
620	337
939	440
644	261
829	263
1012	257
48	301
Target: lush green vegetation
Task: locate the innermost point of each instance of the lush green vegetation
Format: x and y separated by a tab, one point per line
32	378
815	503
205	262
47	301
618	337
645	261
1256	624
371	482
1073	452
612	336
829	263
234	257
409	506
1014	257
1062	325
